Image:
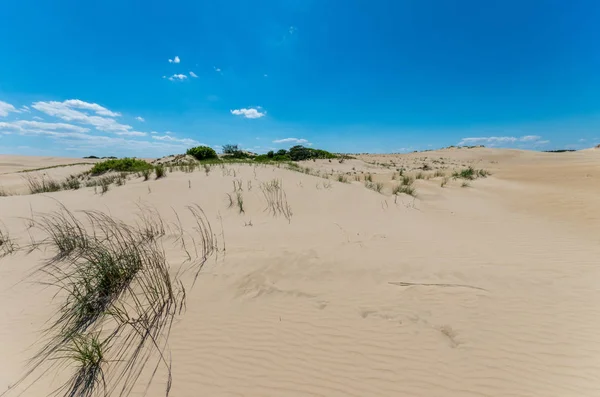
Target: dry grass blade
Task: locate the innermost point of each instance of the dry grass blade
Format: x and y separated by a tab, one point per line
276	199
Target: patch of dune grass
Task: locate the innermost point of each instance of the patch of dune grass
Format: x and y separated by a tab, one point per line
160	171
42	185
406	189
120	165
7	244
118	299
407	180
342	178
376	186
276	199
146	173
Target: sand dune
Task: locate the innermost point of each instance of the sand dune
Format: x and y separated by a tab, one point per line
486	290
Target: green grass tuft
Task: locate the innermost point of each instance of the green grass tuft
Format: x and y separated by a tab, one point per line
120	165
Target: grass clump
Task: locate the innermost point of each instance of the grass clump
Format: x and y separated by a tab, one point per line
120	165
406	189
342	178
276	199
376	186
7	245
119	298
71	183
444	182
160	171
146	174
407	180
470	174
239	200
42	185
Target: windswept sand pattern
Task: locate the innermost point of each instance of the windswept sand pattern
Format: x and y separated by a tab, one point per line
490	290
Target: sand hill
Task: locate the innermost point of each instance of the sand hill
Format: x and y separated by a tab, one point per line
326	283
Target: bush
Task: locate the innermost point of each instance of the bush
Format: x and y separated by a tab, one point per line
121	165
202	153
299	153
270	154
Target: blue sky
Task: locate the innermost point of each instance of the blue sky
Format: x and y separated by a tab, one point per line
149	78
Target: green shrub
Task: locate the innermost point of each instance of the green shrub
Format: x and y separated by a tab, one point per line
121	165
299	153
202	153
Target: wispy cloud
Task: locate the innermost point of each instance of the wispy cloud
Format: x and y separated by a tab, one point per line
131	133
169	138
193	74
67	111
29	127
99	110
25	109
140	118
178	77
500	140
218	70
78	126
175	60
292	29
297	141
6	108
250	113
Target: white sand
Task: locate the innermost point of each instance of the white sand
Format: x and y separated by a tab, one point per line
309	308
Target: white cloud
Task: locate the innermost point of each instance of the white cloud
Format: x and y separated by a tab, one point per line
25	109
249	113
193	74
66	111
81	132
218	70
131	133
28	127
6	108
99	110
530	138
175	60
37	118
169	138
179	77
297	141
499	140
293	29
140	118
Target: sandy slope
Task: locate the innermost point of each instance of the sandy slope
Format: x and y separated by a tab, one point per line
506	302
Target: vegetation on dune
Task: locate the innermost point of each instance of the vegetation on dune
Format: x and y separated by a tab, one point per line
120	165
470	174
202	153
119	298
234	152
295	153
